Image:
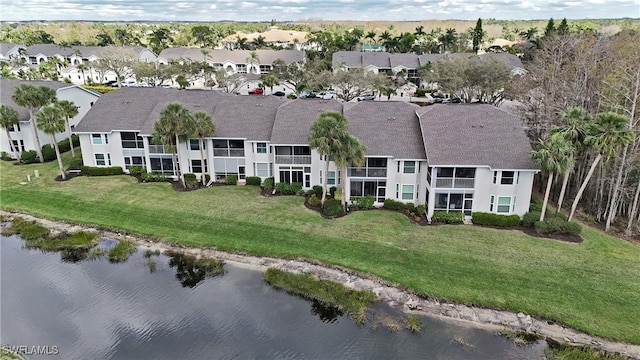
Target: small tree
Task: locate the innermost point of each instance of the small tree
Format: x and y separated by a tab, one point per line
33	98
349	151
477	36
325	136
8	119
51	121
175	122
203	127
68	110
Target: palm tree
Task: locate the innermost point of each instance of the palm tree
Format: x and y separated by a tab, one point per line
83	67
175	122
203	127
553	156
8	119
33	98
419	31
253	60
574	129
51	121
68	110
385	36
609	131
325	136
349	151
371	35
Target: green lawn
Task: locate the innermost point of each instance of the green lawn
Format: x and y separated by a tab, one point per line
593	286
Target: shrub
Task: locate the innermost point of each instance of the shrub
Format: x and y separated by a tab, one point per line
101	171
317	189
5	156
29	157
447	217
536	203
48	152
282	188
288	189
365	202
421	210
557	226
490	219
268	183
421	92
231	180
253	180
64	146
136	170
398	205
332	207
151	177
295	188
190	179
332	191
530	218
314	201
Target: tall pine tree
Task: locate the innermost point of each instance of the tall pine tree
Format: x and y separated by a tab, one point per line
478	35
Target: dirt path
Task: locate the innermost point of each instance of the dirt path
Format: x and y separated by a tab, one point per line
405	300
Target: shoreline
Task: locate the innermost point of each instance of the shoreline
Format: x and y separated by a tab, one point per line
407	301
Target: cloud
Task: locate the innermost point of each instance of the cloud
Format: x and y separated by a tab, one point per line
282	10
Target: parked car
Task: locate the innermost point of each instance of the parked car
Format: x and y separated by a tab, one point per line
278	93
306	95
366	97
113	83
451	101
256	91
327	95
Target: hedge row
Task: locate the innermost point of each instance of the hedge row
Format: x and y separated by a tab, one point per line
101	171
453	217
253	180
490	219
288	189
558	226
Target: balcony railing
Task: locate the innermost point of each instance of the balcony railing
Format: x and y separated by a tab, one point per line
455	183
159	149
293	159
228	152
366	172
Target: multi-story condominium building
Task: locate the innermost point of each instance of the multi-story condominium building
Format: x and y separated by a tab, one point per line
22	134
450	157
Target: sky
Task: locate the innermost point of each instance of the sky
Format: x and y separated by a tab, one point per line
285	10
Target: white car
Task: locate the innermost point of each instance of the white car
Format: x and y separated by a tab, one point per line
327	95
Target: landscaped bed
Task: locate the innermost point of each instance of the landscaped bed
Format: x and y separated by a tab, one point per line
592	286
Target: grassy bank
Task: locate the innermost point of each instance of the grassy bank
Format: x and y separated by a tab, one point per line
592	286
328	293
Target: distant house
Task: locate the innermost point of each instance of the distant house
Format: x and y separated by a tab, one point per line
454	158
22	134
10	51
275	37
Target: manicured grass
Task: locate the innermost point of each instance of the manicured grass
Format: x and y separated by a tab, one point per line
328	293
592	286
568	352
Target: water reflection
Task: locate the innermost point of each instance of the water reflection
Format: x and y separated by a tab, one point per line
74	255
190	271
327	314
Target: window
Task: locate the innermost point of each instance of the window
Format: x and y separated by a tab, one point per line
407	192
229	148
331	178
504	204
261	148
100	160
109	159
19	146
15	127
409	167
495	177
262	169
194	144
492	202
265	69
196	166
131	140
96	139
507	178
134	161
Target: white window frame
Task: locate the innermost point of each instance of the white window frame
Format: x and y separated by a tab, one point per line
404	167
257	172
331	180
259	149
408	192
509	206
96	139
513	178
97	161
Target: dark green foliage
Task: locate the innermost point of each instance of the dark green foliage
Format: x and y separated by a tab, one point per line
122	251
268	183
421	210
364	202
490	219
190	179
536	203
48	152
5	155
64	146
231	180
151	177
391	204
328	293
76	163
332	207
529	219
447	217
253	180
288	189
29	157
101	171
317	189
332	191
558	226
28	230
421	92
136	170
314	201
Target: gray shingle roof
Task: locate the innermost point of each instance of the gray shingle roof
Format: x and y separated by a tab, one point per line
234	56
85	51
348	58
410	61
249	117
6	47
387	128
6	91
474	134
378	59
294	119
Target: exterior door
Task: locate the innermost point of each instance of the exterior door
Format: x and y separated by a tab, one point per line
381	194
241	173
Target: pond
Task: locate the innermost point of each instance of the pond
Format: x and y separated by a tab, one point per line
77	308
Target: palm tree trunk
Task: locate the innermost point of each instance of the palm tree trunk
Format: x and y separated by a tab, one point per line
201	145
178	168
616	188
634	210
565	181
343	187
324	179
55	146
546	197
73	152
13	149
583	186
36	138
